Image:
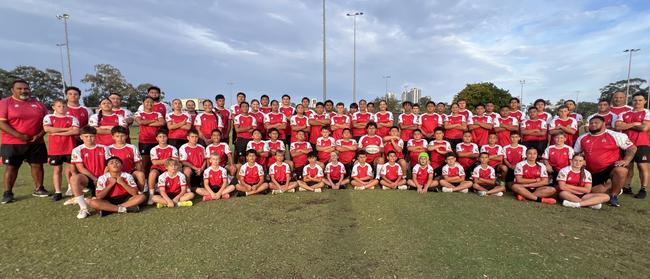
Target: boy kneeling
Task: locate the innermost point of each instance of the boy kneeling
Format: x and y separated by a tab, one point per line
116	191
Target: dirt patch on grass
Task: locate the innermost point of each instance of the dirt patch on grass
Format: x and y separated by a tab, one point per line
318	201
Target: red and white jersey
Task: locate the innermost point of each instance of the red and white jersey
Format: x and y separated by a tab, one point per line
216	176
147	134
618	110
484	173
361	171
408	119
159	107
225	117
576	116
129	155
602	150
453	171
193	155
538	124
492	115
569	122
496	150
639	138
60	145
281	173
81	113
265	110
383	117
25	117
429	122
467	147
314	171
245	121
251	174
367	140
514	154
309	112
340	120
610	119
467	113
503	137
259	119
287	111
92	158
399	149
125	113
527	171
300	160
436	159
206	122
299	120
277	146
324	142
574	178
519	115
335	171
480	135
361	118
277	118
172	184
117	190
234	111
259	147
220	148
346	157
456	119
106	121
547	117
558	157
315	130
174	118
160	153
421	173
391	172
413	156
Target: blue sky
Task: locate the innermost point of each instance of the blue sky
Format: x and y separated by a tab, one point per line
194	48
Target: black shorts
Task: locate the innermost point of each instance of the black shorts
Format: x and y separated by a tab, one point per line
438	171
145	148
240	148
215	188
90	185
311	183
195	180
176	142
642	154
15	154
297	172
454	142
57	160
510	176
348	167
602	177
117	200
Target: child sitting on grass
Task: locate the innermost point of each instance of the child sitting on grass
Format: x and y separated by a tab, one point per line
116	191
250	179
484	176
335	173
280	173
362	177
312	175
215	181
422	178
392	176
172	187
453	176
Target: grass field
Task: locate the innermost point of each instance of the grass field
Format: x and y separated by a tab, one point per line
334	234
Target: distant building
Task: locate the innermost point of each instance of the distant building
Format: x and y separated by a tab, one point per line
390	95
412	95
312	103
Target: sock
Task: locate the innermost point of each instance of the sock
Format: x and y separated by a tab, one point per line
538	199
121	209
81	201
379	166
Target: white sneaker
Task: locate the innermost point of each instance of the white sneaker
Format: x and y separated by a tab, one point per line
570	204
85	190
499	194
482	193
301	189
385	188
597	206
150	201
83	213
291	191
402	187
70	201
359	188
317	190
447	190
275	192
68	192
464	191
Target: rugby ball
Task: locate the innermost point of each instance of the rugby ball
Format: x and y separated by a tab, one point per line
372	149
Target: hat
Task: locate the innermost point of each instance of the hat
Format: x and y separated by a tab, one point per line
423	154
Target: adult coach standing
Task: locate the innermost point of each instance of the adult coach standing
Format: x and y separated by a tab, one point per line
158	106
21	122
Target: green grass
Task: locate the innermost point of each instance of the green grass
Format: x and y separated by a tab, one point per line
339	234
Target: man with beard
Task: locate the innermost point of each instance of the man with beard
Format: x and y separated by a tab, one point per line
21	122
158	106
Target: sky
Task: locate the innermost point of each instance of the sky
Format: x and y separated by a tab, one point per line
562	49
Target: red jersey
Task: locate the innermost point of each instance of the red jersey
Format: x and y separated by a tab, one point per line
399	149
300	121
234	111
340	120
92	158
106	121
360	118
287	112
172	184
429	122
193	155
259	147
277	146
558	157
265	110
514	155
277	118
123	112
159	107
220	148
215	177
610	119
618	110
314	132
81	113
503	137
421	174
436	159
569	122
244	121
359	171
346	157
26	117
225	117
453	171
259	119
128	154
335	171
496	150
281	173
206	122
519	115
367	140
639	138
538	124
455	133
574	178
60	145
383	117
602	150
300	160
467	147
480	135
413	156
160	153
251	174
315	172
524	170
324	157
117	190
147	134
484	173
391	173
408	119
467	113
173	118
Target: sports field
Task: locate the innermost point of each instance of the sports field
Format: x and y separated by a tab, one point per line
334	234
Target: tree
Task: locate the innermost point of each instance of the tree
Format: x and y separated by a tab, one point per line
635	86
108	79
423	103
481	93
586	108
46	85
394	106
